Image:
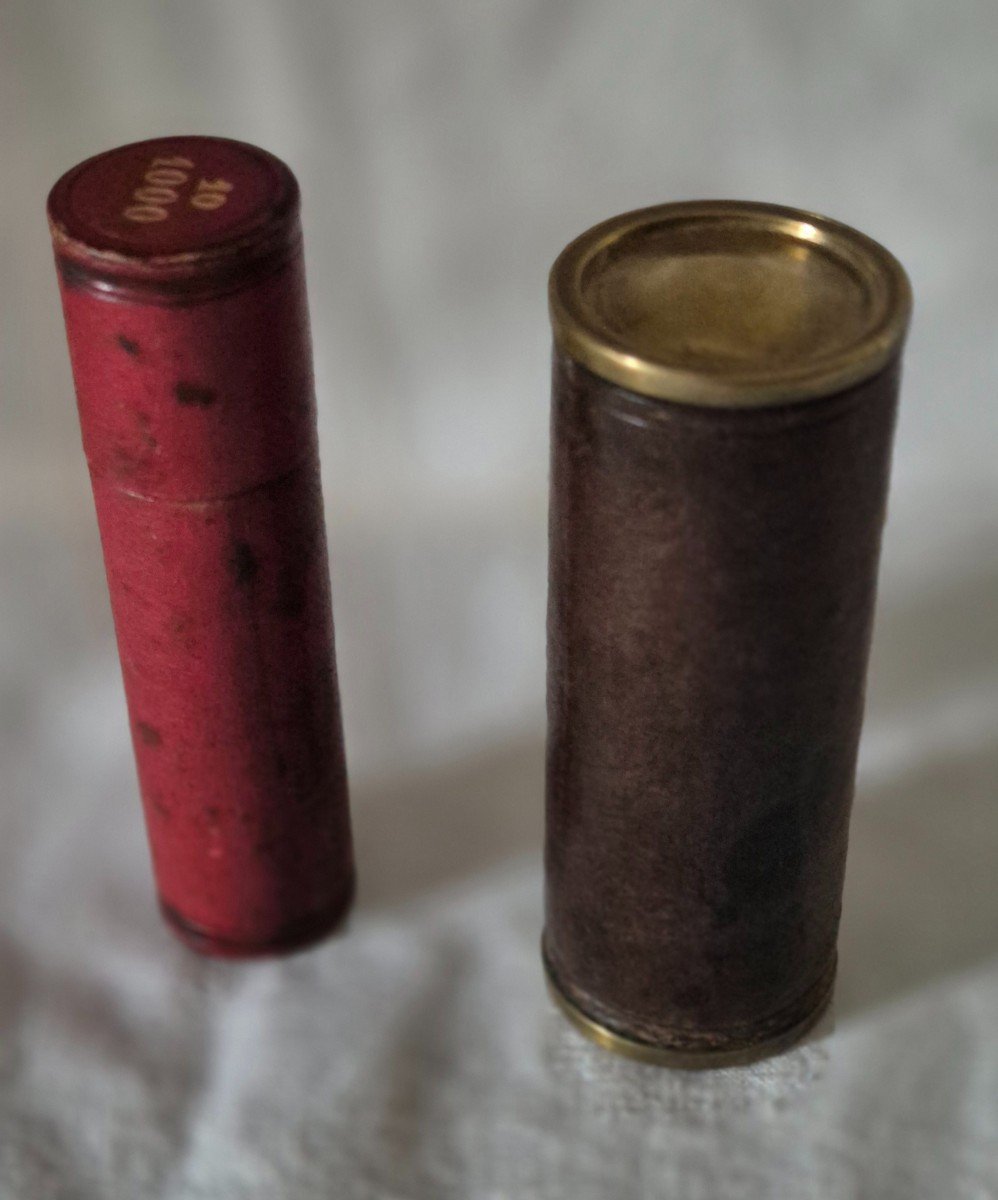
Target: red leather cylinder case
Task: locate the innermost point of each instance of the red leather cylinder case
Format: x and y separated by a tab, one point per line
182	283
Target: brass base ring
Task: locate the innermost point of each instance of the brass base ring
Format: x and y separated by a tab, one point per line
685	1059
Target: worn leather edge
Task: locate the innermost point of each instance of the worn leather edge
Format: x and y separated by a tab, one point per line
297	936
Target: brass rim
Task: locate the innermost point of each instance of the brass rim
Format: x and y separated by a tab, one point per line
728	303
686	1060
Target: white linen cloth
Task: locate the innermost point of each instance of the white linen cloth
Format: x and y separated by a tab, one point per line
447	150
417	1056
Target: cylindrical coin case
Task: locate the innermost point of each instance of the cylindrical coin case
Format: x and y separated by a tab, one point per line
724	396
180	269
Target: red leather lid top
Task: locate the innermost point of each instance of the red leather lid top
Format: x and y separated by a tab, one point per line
173	209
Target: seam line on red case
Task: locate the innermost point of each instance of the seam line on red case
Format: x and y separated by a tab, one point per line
222	499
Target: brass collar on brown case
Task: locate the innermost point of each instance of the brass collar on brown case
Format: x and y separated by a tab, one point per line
741	1055
729	303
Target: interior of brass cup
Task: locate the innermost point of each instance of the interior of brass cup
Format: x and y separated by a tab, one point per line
729	303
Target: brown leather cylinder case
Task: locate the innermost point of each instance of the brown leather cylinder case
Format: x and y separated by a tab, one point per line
713	562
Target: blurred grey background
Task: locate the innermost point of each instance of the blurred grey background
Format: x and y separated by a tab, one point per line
447	149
